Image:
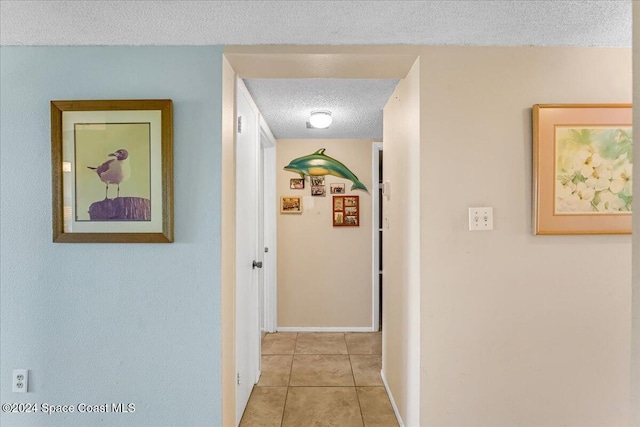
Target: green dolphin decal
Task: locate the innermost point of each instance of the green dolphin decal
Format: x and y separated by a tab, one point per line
319	164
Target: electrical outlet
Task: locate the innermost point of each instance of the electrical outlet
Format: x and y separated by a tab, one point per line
20	381
480	219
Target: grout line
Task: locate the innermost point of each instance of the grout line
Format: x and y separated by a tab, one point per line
286	397
355	389
348	354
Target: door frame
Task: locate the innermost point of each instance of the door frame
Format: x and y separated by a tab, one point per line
375	231
270	256
279	61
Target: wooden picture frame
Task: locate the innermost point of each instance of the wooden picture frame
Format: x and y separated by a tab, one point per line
346	211
112	171
290	205
582	158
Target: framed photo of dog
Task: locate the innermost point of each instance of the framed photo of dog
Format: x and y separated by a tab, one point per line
112	171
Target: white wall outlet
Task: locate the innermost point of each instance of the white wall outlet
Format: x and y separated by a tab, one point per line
480	219
20	381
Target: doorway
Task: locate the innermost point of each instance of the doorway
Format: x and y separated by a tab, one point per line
248	257
377	198
291	62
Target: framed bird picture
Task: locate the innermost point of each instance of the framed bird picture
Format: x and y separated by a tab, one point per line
112	165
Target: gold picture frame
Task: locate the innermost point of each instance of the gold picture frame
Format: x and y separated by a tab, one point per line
112	171
291	205
582	168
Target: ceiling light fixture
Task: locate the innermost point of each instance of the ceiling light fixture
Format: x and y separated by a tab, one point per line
320	119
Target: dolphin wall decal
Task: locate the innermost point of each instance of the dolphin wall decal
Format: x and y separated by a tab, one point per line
319	164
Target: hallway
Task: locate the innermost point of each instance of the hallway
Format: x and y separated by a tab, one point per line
313	379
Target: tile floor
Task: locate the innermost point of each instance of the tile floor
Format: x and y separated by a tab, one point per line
320	379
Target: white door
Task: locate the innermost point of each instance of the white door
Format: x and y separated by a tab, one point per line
247	251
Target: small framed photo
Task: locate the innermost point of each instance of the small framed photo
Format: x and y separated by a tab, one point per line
291	205
338	203
582	169
296	183
316	180
346	211
351	201
337	188
112	164
351	220
318	190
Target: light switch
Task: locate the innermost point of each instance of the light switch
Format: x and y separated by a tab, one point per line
386	190
480	219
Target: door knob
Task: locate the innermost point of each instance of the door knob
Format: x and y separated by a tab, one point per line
257	264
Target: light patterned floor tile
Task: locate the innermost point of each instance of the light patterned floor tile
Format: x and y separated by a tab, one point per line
265	407
321	370
322	407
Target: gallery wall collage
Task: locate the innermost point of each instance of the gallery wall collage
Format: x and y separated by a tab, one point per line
345	207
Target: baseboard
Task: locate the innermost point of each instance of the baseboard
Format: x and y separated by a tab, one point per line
393	402
324	329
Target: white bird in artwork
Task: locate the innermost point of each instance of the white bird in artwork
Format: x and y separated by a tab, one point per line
114	171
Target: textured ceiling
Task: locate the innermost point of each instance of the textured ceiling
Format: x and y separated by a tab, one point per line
356	105
510	22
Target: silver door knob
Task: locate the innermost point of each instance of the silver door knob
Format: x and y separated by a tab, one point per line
257	264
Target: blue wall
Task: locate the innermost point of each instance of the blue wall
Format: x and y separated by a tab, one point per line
103	323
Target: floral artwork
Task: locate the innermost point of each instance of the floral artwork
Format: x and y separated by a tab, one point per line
582	168
593	170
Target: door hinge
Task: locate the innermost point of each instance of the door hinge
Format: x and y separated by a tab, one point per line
239	124
238	378
266	250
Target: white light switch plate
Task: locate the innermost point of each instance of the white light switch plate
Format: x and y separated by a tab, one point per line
480	219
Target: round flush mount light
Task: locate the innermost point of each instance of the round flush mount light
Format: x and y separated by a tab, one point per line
320	119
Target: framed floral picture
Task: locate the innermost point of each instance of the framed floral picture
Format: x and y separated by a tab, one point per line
112	167
582	169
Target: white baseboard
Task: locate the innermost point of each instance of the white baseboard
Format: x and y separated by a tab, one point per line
393	402
324	329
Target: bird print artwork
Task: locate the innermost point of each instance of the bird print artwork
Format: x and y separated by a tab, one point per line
114	171
113	180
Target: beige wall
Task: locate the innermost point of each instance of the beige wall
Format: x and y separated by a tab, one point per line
516	329
401	247
324	272
228	291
